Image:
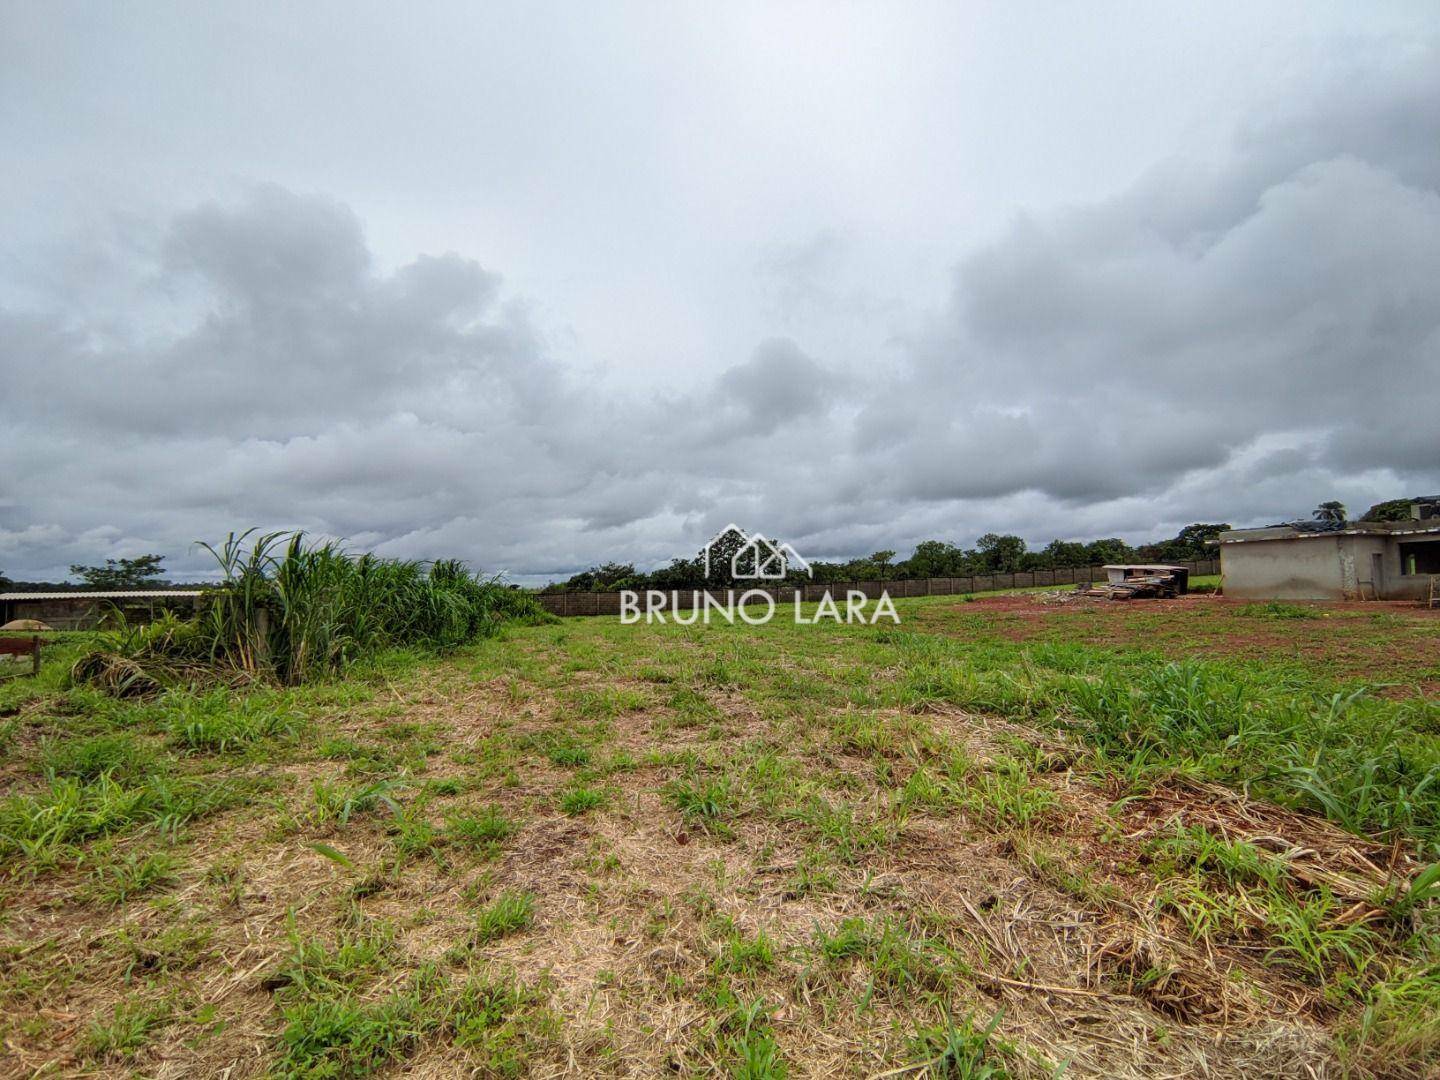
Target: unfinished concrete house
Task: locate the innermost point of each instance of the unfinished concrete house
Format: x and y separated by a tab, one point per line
1352	560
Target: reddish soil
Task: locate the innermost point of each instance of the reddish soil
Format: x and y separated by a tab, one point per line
1380	642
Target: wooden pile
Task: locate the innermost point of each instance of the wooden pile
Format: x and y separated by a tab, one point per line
1157	586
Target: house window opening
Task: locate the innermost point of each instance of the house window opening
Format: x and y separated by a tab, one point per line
1420	558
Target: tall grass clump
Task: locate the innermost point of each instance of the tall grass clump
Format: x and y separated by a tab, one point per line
290	610
1370	764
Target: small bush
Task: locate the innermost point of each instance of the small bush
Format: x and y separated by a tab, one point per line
292	611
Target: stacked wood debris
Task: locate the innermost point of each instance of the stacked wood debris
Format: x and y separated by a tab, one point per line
1130	583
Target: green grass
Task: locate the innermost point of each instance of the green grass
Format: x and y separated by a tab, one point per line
509	913
499	1024
746	1038
848	834
46	827
344	1037
570	755
335	803
126	1030
413	835
898	964
1370	763
484	831
331	1030
123	756
1400	1020
741	954
130	875
581	800
318	968
775	773
148	955
220	722
959	1050
1276	609
706	802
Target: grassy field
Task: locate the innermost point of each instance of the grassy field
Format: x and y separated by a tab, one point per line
1003	838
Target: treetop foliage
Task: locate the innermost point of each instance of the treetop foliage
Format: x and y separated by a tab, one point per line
141	572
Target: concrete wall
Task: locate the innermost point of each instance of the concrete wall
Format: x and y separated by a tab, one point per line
1319	567
1308	568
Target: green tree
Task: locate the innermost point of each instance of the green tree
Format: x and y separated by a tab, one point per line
1001	554
1192	542
881	560
722	555
1332	511
936	558
1109	550
1060	553
680	574
605	578
1200	538
1389	510
141	572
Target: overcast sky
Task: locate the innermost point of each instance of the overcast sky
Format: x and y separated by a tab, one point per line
543	285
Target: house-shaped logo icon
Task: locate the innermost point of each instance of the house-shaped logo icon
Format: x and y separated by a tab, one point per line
756	557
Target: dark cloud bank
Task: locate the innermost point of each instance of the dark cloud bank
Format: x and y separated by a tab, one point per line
1231	339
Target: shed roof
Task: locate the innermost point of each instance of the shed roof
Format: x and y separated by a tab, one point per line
1408	527
1140	566
124	594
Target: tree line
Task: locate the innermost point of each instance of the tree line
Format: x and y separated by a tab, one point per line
115	575
993	553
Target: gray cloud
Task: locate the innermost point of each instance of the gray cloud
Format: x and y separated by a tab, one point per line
1234	334
1126	344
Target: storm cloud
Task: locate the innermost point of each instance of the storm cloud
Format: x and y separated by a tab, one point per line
1232	330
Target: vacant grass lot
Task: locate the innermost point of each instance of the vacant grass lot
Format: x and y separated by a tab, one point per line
1003	838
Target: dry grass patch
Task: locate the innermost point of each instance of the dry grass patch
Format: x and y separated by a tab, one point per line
687	852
